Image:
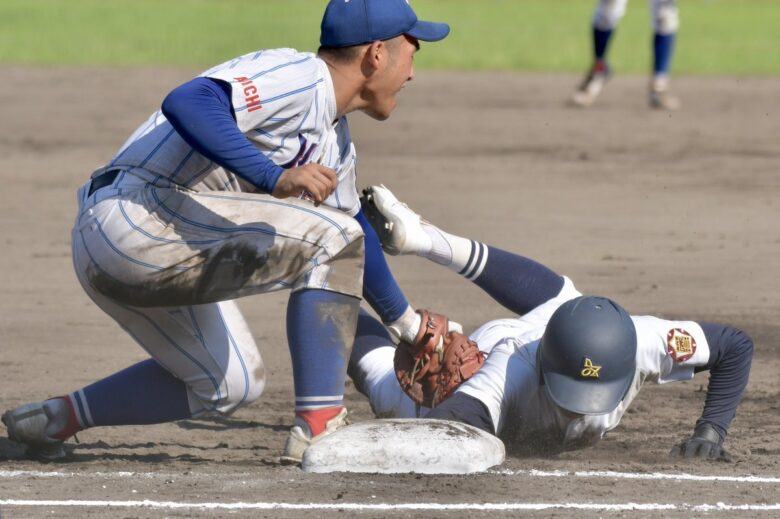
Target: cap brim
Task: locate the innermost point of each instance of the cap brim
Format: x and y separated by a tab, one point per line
429	31
586	397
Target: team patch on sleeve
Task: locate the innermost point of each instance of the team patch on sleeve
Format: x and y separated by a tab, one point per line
680	344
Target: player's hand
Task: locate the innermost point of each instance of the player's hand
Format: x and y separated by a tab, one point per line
704	444
311	181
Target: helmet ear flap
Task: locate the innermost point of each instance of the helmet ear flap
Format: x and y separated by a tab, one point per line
587	355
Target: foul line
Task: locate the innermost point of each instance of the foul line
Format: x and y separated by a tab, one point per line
719	507
500	472
635	475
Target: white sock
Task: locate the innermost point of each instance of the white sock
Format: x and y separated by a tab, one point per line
659	83
406	327
464	256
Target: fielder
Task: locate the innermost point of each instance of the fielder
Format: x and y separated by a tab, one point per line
562	374
665	20
243	183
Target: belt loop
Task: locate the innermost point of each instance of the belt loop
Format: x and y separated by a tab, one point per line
104	179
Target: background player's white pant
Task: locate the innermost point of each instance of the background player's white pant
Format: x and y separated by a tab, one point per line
664	15
165	262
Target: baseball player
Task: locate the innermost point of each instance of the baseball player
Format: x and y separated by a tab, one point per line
665	22
563	373
243	183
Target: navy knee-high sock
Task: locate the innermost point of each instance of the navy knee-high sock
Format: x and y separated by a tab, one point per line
516	282
144	393
320	332
601	40
663	48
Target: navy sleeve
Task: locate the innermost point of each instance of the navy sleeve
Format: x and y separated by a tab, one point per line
379	286
464	408
731	354
202	113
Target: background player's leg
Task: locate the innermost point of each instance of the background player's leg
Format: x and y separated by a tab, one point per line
605	19
665	25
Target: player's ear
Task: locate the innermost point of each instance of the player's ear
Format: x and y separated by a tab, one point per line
375	54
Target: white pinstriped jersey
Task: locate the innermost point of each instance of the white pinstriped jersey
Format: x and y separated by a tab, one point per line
508	382
284	103
166	262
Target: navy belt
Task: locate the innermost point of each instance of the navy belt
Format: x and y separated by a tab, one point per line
104	179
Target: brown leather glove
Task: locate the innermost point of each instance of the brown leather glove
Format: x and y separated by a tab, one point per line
438	361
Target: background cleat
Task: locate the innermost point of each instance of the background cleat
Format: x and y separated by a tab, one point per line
663	100
591	87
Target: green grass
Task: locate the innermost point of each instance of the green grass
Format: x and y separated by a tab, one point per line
717	36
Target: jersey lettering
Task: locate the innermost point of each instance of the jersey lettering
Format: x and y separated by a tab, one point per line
251	97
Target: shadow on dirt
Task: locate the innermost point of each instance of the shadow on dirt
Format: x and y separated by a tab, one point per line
221	423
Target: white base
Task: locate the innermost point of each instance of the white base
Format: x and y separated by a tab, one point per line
405	445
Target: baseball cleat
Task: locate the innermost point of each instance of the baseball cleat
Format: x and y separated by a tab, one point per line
399	228
300	437
591	86
663	100
27	424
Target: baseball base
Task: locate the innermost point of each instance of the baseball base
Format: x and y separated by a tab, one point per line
393	446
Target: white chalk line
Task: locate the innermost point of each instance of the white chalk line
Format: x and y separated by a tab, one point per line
532	472
56	474
505	507
637	475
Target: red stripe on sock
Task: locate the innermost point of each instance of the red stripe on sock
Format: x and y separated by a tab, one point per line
72	426
318	418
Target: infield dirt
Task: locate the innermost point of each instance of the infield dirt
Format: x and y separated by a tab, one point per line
671	214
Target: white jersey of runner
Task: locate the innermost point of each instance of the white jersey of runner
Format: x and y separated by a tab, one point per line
284	103
509	381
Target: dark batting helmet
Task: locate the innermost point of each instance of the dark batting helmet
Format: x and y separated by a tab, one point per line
587	355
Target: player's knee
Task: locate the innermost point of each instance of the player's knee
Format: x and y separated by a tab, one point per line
666	19
608	14
353	233
343	239
344	264
234	391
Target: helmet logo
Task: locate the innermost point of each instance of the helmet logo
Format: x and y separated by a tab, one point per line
589	370
680	344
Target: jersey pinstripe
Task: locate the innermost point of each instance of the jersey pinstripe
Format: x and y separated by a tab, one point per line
284	104
167	246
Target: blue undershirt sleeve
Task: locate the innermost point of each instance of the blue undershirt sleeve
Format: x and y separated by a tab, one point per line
731	354
380	289
202	113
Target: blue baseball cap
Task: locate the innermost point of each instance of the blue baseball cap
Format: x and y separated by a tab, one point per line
353	22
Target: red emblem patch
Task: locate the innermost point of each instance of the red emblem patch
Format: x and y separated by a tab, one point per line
680	344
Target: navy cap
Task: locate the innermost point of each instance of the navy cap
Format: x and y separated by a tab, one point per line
353	22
